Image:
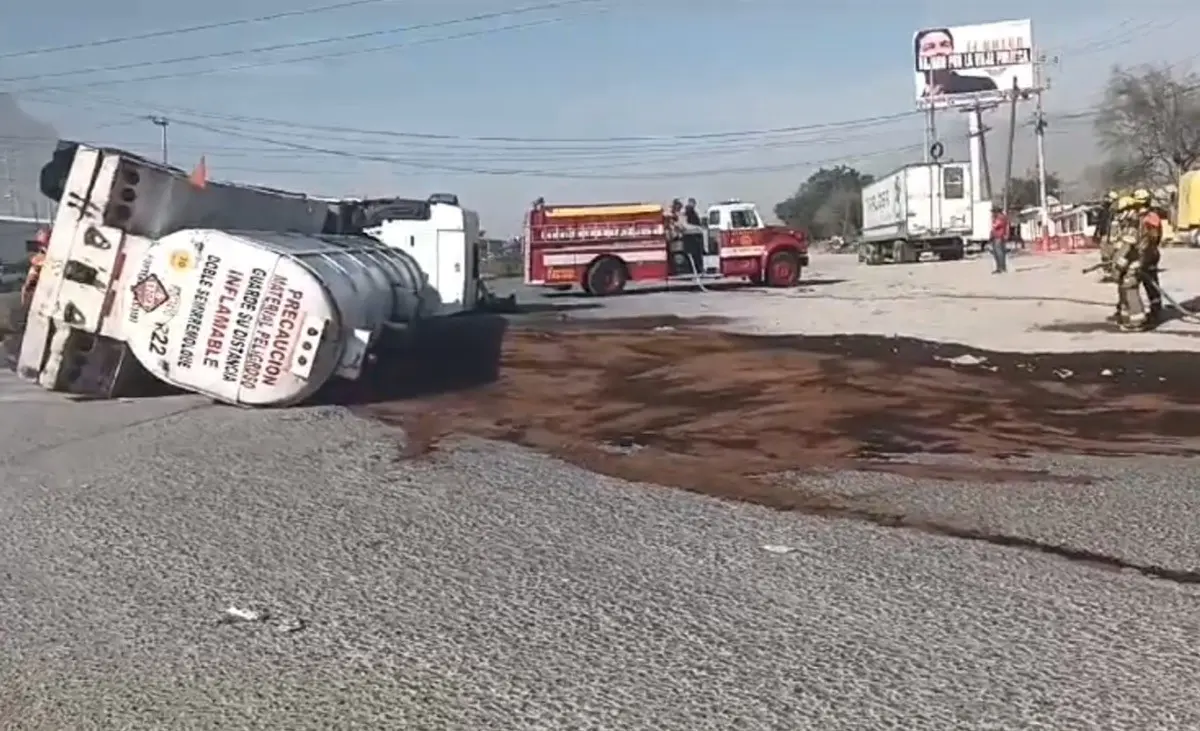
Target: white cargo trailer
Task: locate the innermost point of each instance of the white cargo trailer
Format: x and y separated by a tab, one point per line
235	292
923	207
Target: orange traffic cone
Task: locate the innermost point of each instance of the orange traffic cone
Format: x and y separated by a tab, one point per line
199	176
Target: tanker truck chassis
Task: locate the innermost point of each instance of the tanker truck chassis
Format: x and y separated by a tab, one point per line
238	293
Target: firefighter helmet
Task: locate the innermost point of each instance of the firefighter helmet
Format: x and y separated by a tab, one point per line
1113	196
1141	197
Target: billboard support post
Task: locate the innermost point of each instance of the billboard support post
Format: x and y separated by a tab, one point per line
930	132
926	156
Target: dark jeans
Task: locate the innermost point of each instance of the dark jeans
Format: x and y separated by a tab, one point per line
693	247
1000	254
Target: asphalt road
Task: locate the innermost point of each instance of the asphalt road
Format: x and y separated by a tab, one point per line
487	587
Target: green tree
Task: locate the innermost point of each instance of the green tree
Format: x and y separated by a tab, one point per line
1025	191
828	204
1149	124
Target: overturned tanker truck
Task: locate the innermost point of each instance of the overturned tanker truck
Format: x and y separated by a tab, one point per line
248	295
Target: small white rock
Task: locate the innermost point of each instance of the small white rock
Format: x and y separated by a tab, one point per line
244	615
779	549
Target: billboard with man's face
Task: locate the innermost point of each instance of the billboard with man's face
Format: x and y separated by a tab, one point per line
973	64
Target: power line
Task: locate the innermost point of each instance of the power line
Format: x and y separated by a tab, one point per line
743	134
191	29
612	140
480	17
609	140
592	160
720	141
315	57
538	173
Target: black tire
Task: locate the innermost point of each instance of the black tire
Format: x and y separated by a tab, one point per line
783	269
606	277
904	253
956	251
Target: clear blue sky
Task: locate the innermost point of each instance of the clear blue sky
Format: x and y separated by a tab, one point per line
609	68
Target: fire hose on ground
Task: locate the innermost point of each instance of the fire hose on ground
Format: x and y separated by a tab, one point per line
1185	314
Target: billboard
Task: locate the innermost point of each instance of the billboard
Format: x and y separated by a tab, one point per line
971	64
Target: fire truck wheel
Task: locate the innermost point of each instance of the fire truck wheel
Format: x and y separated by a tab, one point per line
783	269
606	276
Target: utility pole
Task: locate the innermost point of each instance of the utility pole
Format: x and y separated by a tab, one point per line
1039	128
1012	142
1041	84
981	174
162	122
983	160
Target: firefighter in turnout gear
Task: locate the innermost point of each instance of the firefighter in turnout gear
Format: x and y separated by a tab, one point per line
1138	235
1103	235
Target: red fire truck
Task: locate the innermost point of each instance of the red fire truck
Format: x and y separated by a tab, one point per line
601	248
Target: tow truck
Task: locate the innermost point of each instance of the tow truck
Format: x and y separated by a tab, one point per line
601	248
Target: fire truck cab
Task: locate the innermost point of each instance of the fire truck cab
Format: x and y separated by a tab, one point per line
601	248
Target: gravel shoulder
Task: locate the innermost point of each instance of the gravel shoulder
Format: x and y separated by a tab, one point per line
487	586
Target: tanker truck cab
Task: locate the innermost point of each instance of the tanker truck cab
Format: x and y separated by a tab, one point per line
442	236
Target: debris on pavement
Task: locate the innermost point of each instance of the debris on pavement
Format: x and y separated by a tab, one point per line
292	625
235	614
778	549
963	360
623	445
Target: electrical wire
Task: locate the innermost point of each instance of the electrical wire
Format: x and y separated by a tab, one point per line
477	165
863	122
480	17
366	157
166	33
607	141
569	150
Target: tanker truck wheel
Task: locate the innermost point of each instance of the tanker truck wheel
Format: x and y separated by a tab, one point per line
606	276
783	269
